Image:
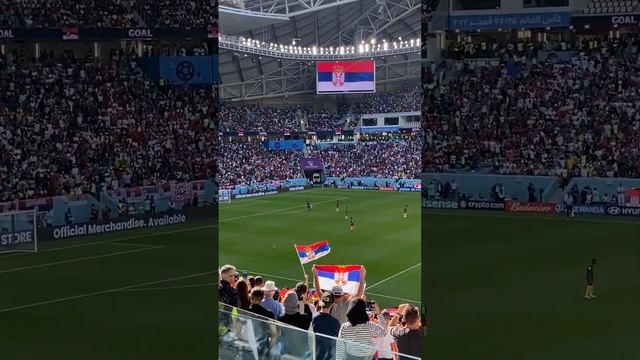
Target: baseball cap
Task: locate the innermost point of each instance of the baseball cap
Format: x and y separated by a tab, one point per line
326	300
337	290
269	286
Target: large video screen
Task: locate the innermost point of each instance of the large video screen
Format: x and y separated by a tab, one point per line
336	77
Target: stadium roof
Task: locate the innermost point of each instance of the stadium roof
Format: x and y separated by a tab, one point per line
346	23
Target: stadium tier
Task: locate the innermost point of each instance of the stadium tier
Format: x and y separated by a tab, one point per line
580	116
72	125
108	13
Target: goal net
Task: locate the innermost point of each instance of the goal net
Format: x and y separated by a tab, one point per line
18	231
224	196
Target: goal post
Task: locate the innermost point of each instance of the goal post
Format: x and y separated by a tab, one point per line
18	231
224	196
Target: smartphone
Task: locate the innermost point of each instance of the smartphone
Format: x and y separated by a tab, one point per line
370	305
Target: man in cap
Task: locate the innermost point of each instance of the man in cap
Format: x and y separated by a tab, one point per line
268	302
325	324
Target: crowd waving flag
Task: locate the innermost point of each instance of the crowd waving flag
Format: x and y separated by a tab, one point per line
346	276
308	253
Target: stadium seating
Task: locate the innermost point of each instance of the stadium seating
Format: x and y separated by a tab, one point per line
297	118
539	119
69	125
107	13
249	162
610	7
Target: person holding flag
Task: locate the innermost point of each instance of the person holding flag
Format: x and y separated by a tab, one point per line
345	282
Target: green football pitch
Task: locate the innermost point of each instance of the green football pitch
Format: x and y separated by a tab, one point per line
511	287
257	235
134	295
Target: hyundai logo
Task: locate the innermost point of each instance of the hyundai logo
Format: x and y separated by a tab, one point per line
613	210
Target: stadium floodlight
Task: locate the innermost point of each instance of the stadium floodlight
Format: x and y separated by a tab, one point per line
360	49
366	47
314	50
18	231
373	41
385	46
341	50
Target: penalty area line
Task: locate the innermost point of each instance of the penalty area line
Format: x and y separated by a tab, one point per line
392	297
394	275
80	259
211	283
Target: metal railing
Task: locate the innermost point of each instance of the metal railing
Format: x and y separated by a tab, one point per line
245	335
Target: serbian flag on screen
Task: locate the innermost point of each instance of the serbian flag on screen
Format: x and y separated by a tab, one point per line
347	276
346	76
308	253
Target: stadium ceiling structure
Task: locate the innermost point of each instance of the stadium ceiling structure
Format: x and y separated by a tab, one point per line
248	74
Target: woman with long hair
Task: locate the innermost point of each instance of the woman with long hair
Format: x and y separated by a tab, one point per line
355	339
242	287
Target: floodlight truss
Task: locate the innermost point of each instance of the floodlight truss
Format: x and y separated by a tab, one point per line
291	7
374	20
238	44
295	77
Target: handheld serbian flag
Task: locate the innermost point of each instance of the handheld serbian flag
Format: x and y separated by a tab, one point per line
346	77
346	276
308	253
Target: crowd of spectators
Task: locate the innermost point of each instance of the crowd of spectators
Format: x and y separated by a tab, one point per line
409	98
247	162
330	313
58	13
260	117
580	118
178	13
107	13
71	125
396	158
298	118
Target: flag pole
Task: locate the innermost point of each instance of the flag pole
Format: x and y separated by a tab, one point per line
301	264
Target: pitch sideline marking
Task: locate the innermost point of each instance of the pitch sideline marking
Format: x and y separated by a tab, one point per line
275	211
366	292
80	259
52	301
92	243
392	276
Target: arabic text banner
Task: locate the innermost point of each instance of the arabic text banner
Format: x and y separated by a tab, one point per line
510	21
346	77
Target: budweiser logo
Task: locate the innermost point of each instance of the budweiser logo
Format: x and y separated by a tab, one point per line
531	207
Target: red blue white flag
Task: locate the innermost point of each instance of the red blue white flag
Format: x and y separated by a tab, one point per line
346	276
346	76
308	253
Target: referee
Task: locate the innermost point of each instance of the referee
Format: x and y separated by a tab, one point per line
588	294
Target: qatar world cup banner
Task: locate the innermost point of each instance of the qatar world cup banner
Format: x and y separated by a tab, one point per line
346	77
